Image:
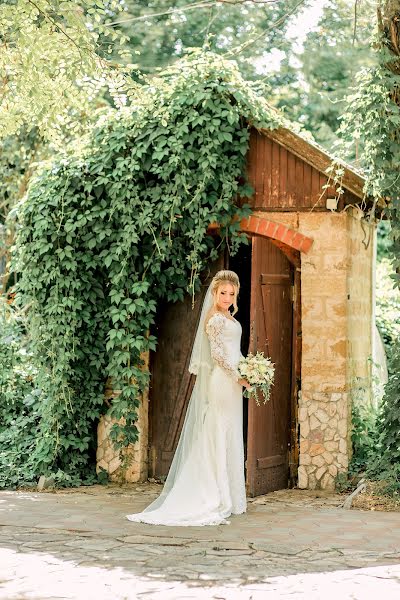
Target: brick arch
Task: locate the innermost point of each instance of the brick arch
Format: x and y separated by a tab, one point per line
277	231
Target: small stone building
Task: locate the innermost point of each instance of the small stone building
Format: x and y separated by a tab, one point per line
307	300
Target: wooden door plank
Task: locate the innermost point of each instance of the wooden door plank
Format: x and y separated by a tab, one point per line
271	332
275	168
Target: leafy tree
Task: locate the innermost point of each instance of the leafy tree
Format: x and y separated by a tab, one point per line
239	29
52	63
58	57
318	78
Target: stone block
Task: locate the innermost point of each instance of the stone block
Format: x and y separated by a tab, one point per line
305	459
342	427
312	408
328	435
45	483
318	460
316	449
333	423
304	446
332	408
337	349
109	452
327	482
101	464
333	470
332	446
114	464
313	308
321	415
328	457
302	414
316	436
288	219
302	478
335	308
304	429
319	472
313	347
324	284
321	396
314	422
135	469
312	481
325	375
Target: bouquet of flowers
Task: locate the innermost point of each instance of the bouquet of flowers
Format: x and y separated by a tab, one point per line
259	372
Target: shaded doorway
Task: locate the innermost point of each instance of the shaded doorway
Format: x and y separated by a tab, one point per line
267	308
241	264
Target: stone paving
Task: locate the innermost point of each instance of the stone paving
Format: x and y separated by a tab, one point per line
292	544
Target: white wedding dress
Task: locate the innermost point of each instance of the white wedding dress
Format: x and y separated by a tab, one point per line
205	483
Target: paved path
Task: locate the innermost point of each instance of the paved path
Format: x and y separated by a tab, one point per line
78	545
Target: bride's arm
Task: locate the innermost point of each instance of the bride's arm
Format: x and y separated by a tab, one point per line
214	329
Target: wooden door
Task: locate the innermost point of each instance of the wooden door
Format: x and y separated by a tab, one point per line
271	327
171	383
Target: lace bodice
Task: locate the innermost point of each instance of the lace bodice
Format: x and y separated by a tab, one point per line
224	335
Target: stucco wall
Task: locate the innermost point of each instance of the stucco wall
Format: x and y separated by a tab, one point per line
361	249
323	402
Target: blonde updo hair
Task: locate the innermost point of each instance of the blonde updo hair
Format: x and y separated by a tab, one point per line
219	278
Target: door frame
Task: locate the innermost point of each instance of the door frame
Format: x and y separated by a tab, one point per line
294	257
292	243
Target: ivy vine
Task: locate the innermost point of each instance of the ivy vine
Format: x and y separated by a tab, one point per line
106	234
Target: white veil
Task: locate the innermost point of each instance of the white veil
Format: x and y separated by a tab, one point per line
201	353
192	440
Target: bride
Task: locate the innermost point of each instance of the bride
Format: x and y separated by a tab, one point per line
205	483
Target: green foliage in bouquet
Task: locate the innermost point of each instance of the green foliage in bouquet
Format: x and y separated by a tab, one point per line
259	371
106	234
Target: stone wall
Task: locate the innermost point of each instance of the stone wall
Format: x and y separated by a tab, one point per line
108	458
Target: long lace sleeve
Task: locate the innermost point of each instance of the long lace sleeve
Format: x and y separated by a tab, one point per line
214	330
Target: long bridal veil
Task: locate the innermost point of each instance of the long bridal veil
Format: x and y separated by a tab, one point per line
191	451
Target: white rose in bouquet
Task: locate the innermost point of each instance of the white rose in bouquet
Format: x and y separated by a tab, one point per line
259	371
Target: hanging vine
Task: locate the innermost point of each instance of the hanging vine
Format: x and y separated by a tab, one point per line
105	235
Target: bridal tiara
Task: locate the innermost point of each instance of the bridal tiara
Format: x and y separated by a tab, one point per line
225	275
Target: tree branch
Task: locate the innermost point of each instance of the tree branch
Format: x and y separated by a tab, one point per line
199	5
275	25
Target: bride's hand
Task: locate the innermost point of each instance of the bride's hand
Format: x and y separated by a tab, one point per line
244	383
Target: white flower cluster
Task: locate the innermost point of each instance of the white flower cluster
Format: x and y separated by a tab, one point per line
259	372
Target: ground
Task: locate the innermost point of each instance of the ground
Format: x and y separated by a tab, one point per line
293	544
